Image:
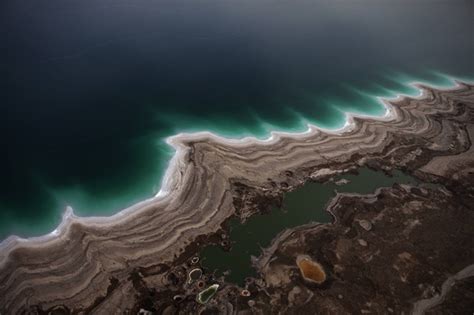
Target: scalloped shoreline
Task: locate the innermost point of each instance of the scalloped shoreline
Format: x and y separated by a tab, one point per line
113	260
171	179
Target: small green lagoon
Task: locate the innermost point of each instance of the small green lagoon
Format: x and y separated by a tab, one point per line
303	205
204	296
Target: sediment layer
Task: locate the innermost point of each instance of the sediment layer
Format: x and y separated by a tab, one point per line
94	265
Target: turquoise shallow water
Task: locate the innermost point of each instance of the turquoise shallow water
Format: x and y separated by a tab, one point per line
90	89
86	203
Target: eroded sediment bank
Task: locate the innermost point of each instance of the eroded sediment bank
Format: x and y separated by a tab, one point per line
97	264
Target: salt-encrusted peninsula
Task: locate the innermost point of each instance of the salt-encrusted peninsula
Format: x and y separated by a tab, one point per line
403	241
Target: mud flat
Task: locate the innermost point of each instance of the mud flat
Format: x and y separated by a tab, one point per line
383	252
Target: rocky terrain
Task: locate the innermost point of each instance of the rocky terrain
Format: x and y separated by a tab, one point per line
403	249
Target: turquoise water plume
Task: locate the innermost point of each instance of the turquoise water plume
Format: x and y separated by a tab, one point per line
93	201
86	110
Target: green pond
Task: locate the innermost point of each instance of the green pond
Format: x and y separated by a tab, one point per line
204	296
303	205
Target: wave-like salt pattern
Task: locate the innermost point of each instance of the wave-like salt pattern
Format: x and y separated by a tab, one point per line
170	181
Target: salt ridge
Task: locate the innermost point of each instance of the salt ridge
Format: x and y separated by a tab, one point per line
170	182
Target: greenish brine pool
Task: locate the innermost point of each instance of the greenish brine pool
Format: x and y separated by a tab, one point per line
90	89
304	205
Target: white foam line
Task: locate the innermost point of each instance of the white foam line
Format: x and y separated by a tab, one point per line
170	182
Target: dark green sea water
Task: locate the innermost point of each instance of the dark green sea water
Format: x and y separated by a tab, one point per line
91	88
